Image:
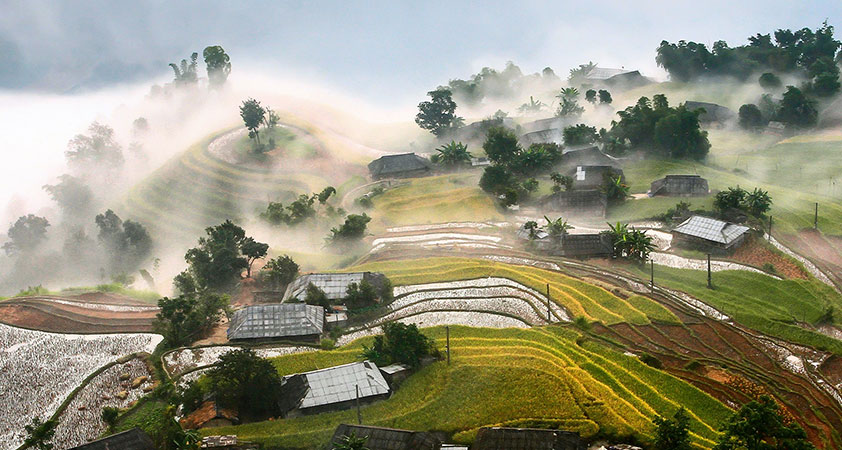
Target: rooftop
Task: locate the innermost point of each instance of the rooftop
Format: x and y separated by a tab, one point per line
711	229
499	438
338	384
604	73
334	285
380	438
276	321
133	439
393	164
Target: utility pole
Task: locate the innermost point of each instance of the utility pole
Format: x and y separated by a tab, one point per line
359	413
549	317
770	228
710	284
447	344
652	274
816	219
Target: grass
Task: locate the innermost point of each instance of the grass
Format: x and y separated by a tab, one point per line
760	302
285	141
586	388
444	198
114	288
578	297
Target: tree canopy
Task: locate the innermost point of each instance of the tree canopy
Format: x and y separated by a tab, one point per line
243	380
219	259
280	271
218	65
27	233
400	343
253	116
186	74
437	115
759	425
98	148
185	318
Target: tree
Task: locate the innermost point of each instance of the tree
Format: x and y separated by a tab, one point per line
531	107
400	343
452	155
218	65
272	118
218	261
758	202
532	227
353	229
577	74
325	194
568	104
26	234
501	145
127	242
71	194
590	96
750	117
557	229
253	115
796	109
351	442
315	296
614	189
730	199
96	149
438	114
109	416
243	380
39	434
561	182
673	434
184	318
759	426
186	73
281	270
769	81
253	251
605	97
360	295
679	134
495	179
580	134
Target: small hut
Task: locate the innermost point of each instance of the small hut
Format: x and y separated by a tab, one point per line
709	235
405	165
679	186
499	438
134	439
287	321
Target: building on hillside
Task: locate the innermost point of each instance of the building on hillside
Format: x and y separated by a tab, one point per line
591	202
775	128
134	439
332	389
334	285
227	442
287	321
714	114
480	161
553	135
620	78
539	238
709	235
210	415
395	373
477	130
499	438
586	156
380	438
679	186
586	245
592	176
405	165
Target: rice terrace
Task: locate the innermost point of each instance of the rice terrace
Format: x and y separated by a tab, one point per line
393	226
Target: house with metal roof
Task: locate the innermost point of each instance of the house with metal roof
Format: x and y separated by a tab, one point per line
381	438
592	176
333	388
679	186
589	202
586	245
288	321
134	439
500	438
622	78
334	285
586	156
707	234
404	165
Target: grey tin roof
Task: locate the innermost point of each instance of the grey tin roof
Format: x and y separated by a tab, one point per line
134	439
338	384
334	285
604	73
394	164
711	229
380	438
276	321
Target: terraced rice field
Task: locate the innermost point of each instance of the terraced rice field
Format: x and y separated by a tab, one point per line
576	297
573	383
85	313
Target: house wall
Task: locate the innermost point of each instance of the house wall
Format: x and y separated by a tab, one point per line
704	245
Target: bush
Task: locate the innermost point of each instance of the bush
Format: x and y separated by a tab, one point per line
650	360
769	267
400	343
327	344
361	295
315	296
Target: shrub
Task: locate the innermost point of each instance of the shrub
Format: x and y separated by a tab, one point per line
650	360
315	296
400	343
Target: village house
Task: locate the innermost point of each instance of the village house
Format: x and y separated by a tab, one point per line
586	156
713	115
570	245
710	235
499	438
593	176
334	285
134	439
380	438
227	442
679	186
286	321
621	78
592	202
209	415
332	389
404	165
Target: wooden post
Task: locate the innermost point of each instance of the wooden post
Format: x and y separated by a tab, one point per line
359	413
710	285
447	345
549	317
770	228
652	274
816	219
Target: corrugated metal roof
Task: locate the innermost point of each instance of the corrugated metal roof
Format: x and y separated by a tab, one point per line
394	164
379	438
338	384
134	439
334	285
604	73
711	229
276	321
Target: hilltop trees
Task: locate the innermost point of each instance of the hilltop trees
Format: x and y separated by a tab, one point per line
220	258
72	195
301	209
673	132
253	115
352	230
579	134
186	74
245	381
438	114
280	271
97	149
27	233
758	426
127	242
796	109
218	65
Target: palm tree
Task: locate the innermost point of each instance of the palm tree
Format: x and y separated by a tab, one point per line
619	238
614	189
639	245
533	106
351	442
452	154
557	228
758	202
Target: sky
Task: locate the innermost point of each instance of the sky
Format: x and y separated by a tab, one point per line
64	64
